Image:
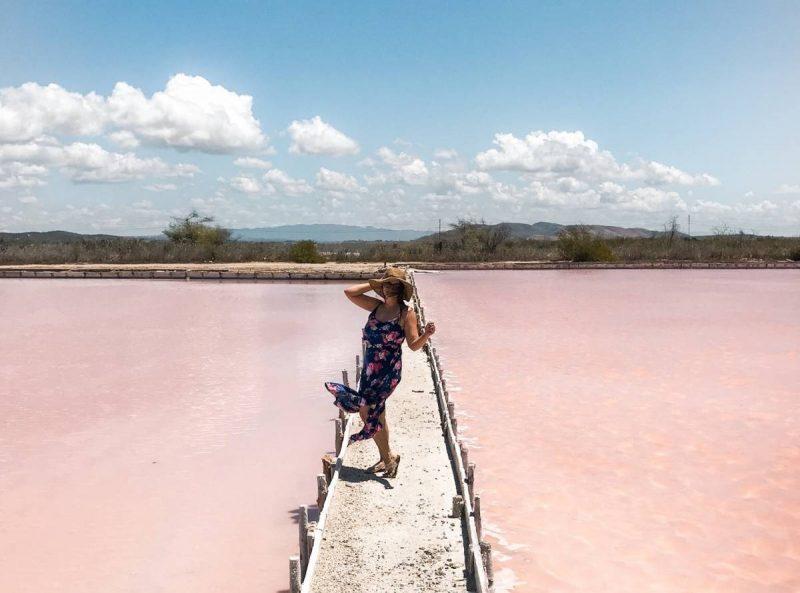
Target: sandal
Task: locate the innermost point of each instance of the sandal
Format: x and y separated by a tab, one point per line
391	471
376	467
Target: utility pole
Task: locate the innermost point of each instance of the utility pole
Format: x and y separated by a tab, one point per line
689	216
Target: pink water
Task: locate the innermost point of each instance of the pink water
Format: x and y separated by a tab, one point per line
155	436
634	430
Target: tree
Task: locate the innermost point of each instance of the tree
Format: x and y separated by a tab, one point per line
305	252
195	230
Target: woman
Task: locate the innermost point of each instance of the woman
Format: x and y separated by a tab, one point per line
390	322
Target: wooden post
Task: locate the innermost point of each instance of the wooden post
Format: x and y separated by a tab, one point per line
470	569
312	530
302	528
294	574
458	506
454	421
464	453
476	512
327	467
471	482
451	410
339	436
322	491
486	556
345	380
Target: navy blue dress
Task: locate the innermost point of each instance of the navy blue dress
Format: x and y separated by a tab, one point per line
383	365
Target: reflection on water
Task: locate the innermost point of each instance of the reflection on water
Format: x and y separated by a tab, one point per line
634	430
156	435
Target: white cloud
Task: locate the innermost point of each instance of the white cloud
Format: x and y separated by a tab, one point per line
337	182
90	163
159	187
189	114
16	175
246	185
787	188
252	163
85	163
31	110
403	168
446	154
124	138
571	154
279	182
28	199
314	136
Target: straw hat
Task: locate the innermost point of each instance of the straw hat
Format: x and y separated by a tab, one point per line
393	273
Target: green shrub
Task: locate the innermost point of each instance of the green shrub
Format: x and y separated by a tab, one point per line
194	231
794	254
578	244
305	252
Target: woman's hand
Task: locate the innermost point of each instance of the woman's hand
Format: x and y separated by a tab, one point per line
430	328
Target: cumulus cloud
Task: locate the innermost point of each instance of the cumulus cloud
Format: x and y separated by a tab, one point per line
16	175
87	162
402	168
314	136
159	187
788	188
279	182
32	110
335	181
189	114
252	163
560	153
246	185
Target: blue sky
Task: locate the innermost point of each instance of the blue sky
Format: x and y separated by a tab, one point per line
609	113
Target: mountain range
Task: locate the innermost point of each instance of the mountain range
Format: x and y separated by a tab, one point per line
335	233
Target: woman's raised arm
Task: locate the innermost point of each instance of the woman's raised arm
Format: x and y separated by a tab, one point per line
356	294
413	339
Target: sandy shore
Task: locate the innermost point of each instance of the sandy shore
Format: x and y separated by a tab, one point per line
396	535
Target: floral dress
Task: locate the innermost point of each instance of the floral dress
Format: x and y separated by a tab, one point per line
383	364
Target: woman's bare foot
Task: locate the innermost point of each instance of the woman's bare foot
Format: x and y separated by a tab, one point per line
378	466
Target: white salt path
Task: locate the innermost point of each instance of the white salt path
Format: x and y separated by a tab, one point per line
396	534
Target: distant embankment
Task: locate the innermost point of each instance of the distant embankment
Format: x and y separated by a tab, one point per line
334	271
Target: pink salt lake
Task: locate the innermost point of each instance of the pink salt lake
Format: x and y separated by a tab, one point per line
634	430
155	436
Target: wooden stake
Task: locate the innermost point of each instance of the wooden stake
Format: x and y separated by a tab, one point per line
451	410
464	453
322	491
294	574
470	569
312	530
486	556
345	380
339	436
471	482
454	421
302	528
476	512
458	506
327	467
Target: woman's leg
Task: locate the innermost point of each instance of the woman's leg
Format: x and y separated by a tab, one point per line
381	437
